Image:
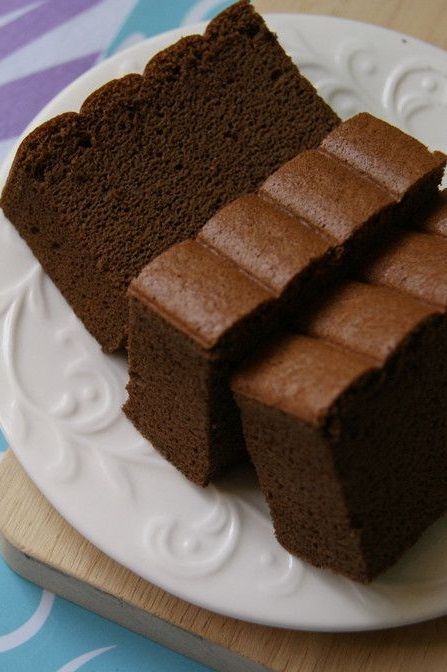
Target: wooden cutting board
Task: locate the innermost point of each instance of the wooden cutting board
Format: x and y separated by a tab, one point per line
38	544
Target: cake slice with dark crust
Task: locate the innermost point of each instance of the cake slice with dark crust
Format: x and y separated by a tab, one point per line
416	260
191	313
202	306
346	424
150	158
355	408
435	221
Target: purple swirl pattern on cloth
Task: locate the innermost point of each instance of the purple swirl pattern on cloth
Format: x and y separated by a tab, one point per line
37	21
22	98
27	95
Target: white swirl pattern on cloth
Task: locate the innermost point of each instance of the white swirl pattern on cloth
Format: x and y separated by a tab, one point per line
31	627
83	659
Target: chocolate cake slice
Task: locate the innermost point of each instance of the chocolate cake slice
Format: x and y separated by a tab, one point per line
346	424
202	306
435	221
416	261
150	158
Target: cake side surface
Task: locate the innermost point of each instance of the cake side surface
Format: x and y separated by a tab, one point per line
390	456
186	387
311	522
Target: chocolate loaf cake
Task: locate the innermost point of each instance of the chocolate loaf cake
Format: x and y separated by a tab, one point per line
346	424
202	306
149	159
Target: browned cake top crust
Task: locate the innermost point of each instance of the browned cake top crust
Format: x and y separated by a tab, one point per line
266	242
327	193
391	157
369	319
302	376
197	291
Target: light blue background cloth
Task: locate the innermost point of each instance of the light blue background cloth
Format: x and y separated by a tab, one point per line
70	638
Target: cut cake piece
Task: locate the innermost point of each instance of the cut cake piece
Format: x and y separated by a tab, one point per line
416	260
202	306
346	424
150	158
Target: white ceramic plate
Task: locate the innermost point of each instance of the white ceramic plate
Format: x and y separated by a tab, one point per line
60	396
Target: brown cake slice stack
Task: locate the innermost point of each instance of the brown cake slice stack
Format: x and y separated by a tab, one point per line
346	421
346	424
199	308
149	159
